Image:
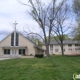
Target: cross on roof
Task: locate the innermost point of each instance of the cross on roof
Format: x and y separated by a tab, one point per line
15	25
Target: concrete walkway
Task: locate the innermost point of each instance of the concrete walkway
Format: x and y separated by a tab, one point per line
27	57
4	58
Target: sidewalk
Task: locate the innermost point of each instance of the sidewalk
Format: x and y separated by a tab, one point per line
4	58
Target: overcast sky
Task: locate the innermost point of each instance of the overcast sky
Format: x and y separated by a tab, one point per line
11	10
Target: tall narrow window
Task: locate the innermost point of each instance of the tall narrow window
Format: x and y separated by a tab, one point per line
12	39
51	47
17	38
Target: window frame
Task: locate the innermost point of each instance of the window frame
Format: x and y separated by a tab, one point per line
7	51
22	51
70	50
56	50
69	45
51	47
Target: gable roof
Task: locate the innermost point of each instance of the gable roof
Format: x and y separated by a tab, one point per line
25	38
19	34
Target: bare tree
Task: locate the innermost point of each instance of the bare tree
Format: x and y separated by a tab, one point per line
49	19
62	25
76	28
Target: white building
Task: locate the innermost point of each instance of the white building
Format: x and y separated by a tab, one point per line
71	47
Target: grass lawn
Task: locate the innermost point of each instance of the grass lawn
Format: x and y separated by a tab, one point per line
55	68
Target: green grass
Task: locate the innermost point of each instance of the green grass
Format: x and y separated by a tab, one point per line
55	68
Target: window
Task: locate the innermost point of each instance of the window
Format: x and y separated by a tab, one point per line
64	50
22	51
77	44
69	50
17	38
70	45
76	49
12	39
51	47
56	50
6	51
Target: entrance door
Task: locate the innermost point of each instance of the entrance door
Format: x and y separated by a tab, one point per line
14	52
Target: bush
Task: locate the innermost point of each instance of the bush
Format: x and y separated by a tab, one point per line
30	54
39	55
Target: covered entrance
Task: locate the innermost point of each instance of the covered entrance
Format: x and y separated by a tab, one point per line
14	51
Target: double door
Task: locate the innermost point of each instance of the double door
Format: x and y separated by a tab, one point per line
14	51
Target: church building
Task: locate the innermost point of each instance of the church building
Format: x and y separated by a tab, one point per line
16	44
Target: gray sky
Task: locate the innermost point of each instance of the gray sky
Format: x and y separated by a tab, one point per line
11	10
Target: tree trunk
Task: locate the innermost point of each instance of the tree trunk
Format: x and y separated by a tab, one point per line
47	51
62	50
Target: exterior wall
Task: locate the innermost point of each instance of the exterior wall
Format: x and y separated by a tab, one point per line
23	44
38	51
56	47
44	47
66	50
6	41
30	46
69	50
1	51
